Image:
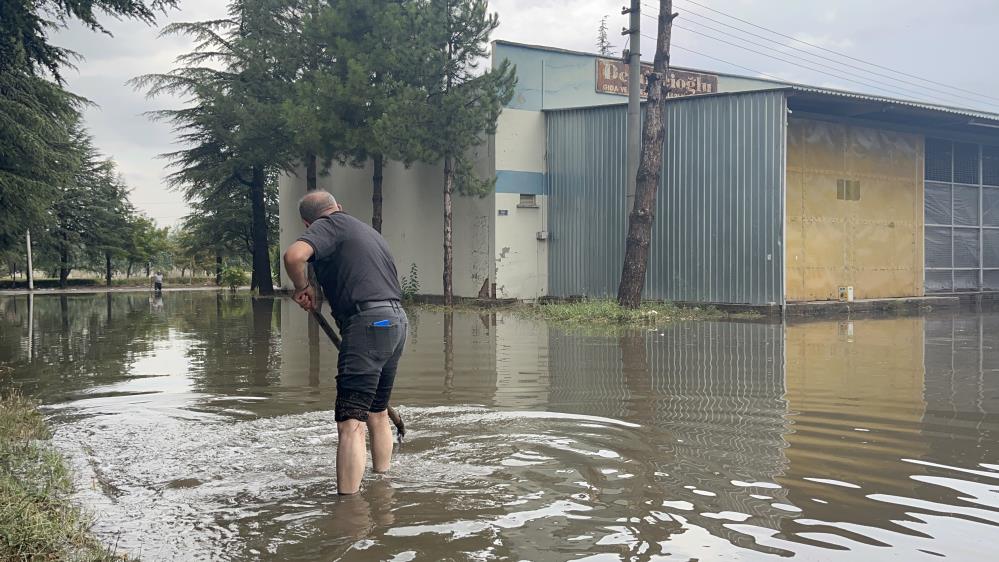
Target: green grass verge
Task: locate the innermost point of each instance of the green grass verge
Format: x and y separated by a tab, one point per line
37	519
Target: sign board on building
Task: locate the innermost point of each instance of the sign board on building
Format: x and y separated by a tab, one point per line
612	78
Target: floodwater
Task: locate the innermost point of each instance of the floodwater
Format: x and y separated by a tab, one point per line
201	427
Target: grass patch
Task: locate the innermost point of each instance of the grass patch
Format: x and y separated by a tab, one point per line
37	519
599	312
606	311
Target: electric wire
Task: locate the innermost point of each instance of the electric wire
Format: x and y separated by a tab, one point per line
837	53
895	89
892	91
922	88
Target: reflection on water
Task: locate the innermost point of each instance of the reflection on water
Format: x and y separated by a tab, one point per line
201	426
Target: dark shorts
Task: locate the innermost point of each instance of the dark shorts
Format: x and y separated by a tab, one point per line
369	357
159	286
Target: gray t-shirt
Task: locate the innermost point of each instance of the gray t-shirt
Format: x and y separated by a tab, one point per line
352	262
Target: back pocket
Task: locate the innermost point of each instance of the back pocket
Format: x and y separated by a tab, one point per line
382	340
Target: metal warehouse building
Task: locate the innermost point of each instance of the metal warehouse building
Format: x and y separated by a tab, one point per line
771	193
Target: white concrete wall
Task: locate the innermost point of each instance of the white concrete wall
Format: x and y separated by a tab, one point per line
412	220
521	259
522	378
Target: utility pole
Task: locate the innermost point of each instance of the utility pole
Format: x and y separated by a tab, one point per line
636	253
31	275
634	130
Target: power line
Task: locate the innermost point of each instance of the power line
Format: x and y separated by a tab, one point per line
837	53
921	87
869	82
760	72
805	66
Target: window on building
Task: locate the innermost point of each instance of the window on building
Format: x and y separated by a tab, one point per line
848	190
961	213
528	200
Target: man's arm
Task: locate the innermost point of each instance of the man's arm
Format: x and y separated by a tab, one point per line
296	259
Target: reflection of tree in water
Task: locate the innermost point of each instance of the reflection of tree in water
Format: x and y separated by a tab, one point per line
448	353
79	341
234	347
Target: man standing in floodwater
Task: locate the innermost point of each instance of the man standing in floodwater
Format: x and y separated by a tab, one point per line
158	282
358	276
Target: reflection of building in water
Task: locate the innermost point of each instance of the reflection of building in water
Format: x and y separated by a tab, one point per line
962	357
306	360
962	385
522	378
856	392
710	395
454	354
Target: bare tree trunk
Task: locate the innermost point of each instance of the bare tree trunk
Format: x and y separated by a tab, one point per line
128	270
107	268
378	164
218	269
310	172
448	249
261	260
636	257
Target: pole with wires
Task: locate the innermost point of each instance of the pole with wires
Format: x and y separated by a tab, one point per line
634	95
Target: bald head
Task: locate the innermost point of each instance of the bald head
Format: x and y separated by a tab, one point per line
316	204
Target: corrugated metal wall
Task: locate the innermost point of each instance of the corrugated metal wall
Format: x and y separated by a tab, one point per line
717	233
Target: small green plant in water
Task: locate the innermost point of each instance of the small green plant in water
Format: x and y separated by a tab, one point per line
234	276
410	284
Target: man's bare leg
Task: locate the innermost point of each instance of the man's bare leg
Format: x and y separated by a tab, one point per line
381	440
350	456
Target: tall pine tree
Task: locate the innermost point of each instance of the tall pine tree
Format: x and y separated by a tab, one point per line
456	104
235	130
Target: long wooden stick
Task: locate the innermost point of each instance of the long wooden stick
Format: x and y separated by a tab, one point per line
400	427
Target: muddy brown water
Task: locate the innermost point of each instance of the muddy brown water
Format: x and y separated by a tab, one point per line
200	428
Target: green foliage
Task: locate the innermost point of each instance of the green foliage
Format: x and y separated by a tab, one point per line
36	121
38	521
234	130
234	276
26	24
37	117
606	311
89	219
410	284
456	104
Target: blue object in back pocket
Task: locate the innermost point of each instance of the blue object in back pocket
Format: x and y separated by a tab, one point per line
382	323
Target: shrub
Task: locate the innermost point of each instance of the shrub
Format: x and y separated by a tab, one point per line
410	283
234	276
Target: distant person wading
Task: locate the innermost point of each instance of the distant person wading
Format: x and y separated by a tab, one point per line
358	276
158	282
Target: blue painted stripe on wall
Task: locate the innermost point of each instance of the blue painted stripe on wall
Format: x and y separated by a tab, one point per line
509	181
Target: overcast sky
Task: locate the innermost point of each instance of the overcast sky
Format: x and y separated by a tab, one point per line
950	43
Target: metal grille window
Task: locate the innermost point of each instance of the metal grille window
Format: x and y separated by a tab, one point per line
961	213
